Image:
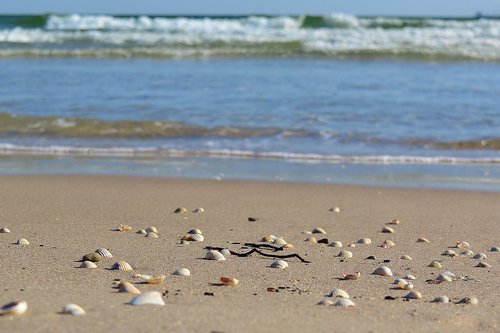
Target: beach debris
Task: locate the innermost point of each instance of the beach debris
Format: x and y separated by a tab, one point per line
121	266
382	271
413	295
22	241
353	276
388	230
344	303
422	240
394	222
450	253
152	228
337	292
182	272
142	232
152	235
92	256
334	209
325	302
435	264
345	254
390	298
4	230
483	264
226	252
405	257
462	245
198	210
410	277
479	256
318	230
88	264
150	297
227	281
335	244
104	253
180	210
124	227
311	239
364	241
127	287
467	252
493	249
441	299
214	255
387	244
14	308
73	309
281	264
279	241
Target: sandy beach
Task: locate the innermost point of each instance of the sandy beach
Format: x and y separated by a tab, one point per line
66	217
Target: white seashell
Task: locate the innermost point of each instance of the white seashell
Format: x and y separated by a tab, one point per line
121	266
4	230
493	249
383	271
127	287
462	245
319	230
273	238
467	252
413	295
287	246
152	235
22	241
182	272
337	292
325	302
479	256
388	230
88	264
468	300
444	278
152	229
282	264
150	297
195	232
410	277
397	281
345	254
311	239
226	252
388	243
158	279
394	222
73	309
335	210
450	252
184	242
306	232
225	281
364	241
142	232
449	274
405	286
441	299
214	255
104	253
422	240
14	308
483	264
335	244
196	238
405	257
435	264
344	303
351	245
198	210
279	241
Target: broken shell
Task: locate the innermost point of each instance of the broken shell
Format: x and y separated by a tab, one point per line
195	231
441	299
422	240
364	241
450	252
444	278
124	227
180	210
150	297
225	281
462	245
14	308
152	235
282	264
410	277
279	241
121	266
467	252
337	292
267	239
435	264
483	264
394	222
93	256
288	246
388	230
88	264
4	230
22	241
387	244
226	252
344	303
104	253
325	302
214	255
318	230
152	229
354	276
413	295
311	239
198	210
127	287
335	244
73	309
156	279
142	232
493	249
182	272
345	254
383	271
468	300
479	256
405	257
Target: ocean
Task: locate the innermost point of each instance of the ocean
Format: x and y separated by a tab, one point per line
383	101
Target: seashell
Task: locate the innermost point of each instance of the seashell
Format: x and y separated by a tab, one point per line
479	256
441	299
422	240
214	255
88	264
311	239
4	230
198	210
354	276
195	231
405	285
184	242
462	245
398	280
14	308
279	241
467	252
104	253
73	309
155	279
318	230
182	272
142	232
335	244
150	297
387	244
344	303
405	257
267	239
226	252
288	246
325	302
337	292
388	230
410	277
127	287
435	264
450	274
413	295
383	271
124	227
395	222
306	232
364	241
121	266
351	245
282	264
152	235
225	281
493	249
152	229
468	300
334	209
450	252
371	258
444	278
483	264
195	238
180	210
22	241
345	254
93	256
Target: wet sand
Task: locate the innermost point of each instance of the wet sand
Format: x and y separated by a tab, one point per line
66	217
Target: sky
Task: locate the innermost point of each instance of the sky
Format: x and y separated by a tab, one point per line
226	7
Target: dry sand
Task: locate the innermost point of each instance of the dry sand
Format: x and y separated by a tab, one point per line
66	217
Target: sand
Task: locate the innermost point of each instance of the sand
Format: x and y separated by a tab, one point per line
66	217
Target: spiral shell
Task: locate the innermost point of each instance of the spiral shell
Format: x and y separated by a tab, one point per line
226	281
14	308
150	297
479	256
121	266
441	299
281	264
337	292
73	309
335	244
214	255
405	257
345	254
318	230
344	303
104	253
435	264
383	271
364	241
4	230
413	295
422	240
22	241
388	230
182	272
152	229
88	264
127	287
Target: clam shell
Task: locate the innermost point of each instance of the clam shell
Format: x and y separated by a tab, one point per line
4	230
311	239
388	230
214	255
468	300
483	264
334	209
364	241
450	252
410	277
124	227
288	246
337	292
226	281
335	244
441	299
282	264
156	279
88	264
467	252
345	254
405	257
351	245
318	230
383	271
344	303
92	256
493	249
121	266
413	295
180	210
449	274
22	241
444	278
104	253
142	232
388	243
395	222
198	210
195	231
397	281
150	297
279	241
127	287
195	238
479	256
325	302
422	240
435	264
267	239
226	252
152	235
462	245
14	308
182	272
405	285
73	309
152	229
